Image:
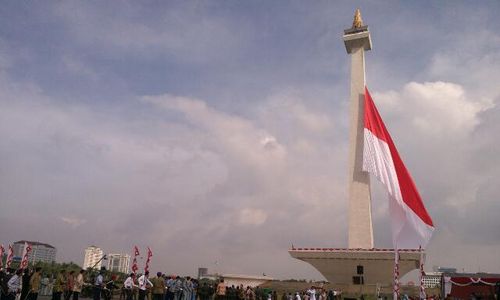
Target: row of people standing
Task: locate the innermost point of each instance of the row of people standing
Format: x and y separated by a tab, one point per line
67	285
23	283
162	287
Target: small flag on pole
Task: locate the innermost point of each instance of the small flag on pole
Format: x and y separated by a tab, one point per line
134	266
134	261
2	251
150	254
27	250
10	256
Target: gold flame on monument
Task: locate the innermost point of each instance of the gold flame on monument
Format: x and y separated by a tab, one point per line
358	22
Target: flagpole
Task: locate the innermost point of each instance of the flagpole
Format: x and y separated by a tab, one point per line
396	274
422	274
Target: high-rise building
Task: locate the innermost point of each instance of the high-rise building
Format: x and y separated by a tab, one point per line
118	262
39	251
93	257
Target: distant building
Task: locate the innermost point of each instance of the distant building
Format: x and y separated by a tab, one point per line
118	262
39	251
93	257
467	285
432	280
446	270
245	280
202	272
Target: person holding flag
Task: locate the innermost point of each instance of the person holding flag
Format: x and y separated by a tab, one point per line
129	286
144	284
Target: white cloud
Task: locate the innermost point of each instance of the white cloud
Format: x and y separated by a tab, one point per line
73	222
252	216
439	109
472	59
241	138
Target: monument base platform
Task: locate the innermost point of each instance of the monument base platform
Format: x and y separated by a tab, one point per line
343	266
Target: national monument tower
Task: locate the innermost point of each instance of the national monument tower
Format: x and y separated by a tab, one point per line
360	263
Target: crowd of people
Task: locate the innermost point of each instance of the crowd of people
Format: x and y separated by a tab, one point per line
23	283
27	284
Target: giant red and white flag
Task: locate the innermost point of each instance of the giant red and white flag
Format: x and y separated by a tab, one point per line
412	226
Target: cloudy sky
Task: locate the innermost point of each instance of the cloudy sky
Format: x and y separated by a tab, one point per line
216	132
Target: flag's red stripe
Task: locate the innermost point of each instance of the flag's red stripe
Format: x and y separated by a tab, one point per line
409	192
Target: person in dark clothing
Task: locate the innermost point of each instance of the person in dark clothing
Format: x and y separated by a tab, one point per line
25	290
331	295
110	286
70	283
4	290
98	285
204	291
59	284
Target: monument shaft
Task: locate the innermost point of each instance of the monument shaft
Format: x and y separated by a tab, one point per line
360	218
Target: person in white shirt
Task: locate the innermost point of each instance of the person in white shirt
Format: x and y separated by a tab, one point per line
297	296
14	285
143	285
98	285
129	285
312	293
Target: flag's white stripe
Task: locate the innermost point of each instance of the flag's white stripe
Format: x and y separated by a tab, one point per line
377	159
406	224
